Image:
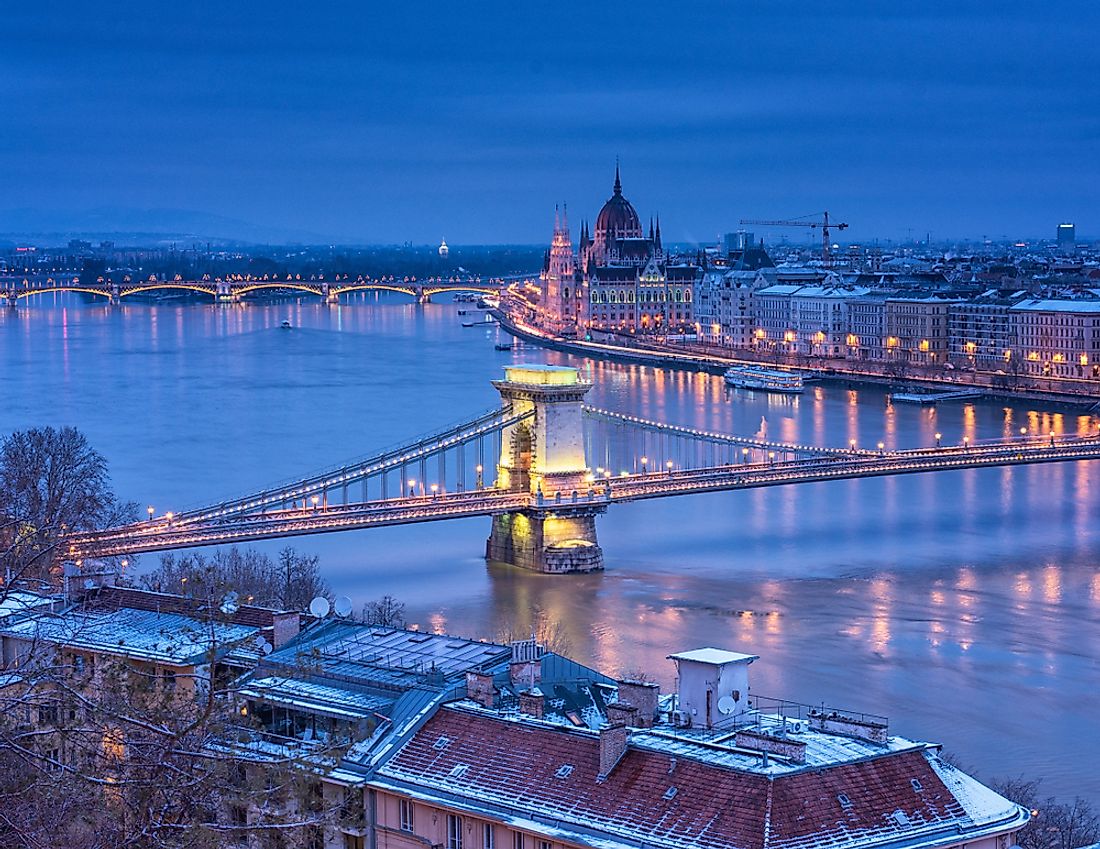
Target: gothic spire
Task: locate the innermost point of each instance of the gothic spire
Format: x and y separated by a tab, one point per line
618	183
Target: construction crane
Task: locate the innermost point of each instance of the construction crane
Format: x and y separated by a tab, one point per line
823	223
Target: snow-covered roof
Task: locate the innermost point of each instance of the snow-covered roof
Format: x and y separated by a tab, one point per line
137	634
314	697
715	656
1058	305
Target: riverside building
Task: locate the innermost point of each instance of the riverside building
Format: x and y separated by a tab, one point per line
462	744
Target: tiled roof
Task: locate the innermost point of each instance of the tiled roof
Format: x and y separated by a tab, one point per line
114	598
477	760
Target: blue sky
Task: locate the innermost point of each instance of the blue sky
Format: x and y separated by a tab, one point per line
384	122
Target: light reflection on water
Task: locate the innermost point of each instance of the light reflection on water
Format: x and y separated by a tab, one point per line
964	605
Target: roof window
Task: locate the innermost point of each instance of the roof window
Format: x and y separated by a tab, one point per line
441	743
564	771
845	802
670	793
916	784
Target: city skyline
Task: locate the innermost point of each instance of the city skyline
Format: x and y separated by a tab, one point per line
414	124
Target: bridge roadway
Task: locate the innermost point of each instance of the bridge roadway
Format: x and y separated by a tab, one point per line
161	534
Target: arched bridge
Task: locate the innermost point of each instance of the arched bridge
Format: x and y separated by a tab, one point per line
232	289
556	464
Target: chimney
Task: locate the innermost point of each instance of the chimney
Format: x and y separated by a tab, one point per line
525	668
642	696
531	702
620	714
874	729
787	747
285	627
480	688
613	742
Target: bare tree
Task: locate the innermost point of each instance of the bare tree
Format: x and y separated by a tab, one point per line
117	754
1054	824
386	611
51	481
288	584
547	631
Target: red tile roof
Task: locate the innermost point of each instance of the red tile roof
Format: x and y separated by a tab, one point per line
515	765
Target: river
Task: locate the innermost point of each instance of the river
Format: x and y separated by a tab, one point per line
964	605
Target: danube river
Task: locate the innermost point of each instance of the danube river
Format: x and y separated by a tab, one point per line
964	605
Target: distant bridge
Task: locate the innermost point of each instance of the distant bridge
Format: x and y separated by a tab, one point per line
546	494
236	288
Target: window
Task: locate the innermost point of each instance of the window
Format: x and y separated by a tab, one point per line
454	831
169	679
488	836
544	844
517	840
354	841
406	814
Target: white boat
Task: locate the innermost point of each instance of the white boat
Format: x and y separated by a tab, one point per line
286	325
765	379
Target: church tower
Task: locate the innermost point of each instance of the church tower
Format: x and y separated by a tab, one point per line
558	280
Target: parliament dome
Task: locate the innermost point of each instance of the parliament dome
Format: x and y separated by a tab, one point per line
618	219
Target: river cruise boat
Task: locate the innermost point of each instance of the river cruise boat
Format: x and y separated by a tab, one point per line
764	379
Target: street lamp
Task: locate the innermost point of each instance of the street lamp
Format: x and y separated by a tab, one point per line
479	469
168	516
644	461
1052	439
771	456
1023	432
880	447
966	442
939	436
744	455
150	511
315	499
668	466
435	490
852	444
412	487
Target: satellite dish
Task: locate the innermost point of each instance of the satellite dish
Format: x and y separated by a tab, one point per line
726	705
342	606
266	647
319	607
230	604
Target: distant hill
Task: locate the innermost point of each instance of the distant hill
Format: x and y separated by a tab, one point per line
144	226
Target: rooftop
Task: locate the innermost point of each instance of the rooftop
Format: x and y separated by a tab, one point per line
715	656
138	634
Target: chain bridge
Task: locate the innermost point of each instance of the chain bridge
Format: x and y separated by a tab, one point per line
238	287
543	466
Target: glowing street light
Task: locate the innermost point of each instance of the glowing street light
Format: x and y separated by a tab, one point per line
314	499
939	436
881	446
644	461
435	490
966	442
479	469
150	511
668	466
168	516
1052	439
412	487
744	455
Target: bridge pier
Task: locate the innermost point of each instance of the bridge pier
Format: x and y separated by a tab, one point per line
12	298
544	456
422	297
114	296
553	541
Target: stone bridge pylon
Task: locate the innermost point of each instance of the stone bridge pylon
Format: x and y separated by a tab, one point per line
544	455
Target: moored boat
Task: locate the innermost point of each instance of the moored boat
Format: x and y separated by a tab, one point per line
764	379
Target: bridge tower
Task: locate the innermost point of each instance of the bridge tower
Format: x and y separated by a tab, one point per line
223	292
544	455
422	297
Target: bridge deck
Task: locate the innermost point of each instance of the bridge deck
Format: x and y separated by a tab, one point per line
160	534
